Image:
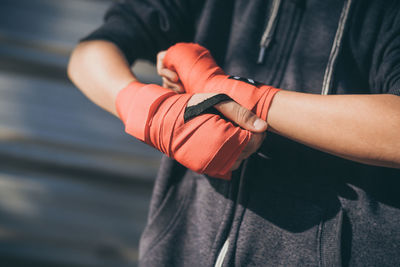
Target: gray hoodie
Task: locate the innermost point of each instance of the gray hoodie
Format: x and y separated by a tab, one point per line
288	205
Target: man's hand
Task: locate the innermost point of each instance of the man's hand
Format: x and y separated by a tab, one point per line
247	120
170	78
230	109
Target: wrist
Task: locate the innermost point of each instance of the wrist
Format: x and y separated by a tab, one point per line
144	98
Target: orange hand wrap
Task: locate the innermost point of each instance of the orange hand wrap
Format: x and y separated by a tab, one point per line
199	73
155	115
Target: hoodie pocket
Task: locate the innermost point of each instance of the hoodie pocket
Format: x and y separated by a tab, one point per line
164	219
287	220
287	231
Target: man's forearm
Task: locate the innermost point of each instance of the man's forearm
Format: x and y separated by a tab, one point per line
363	128
100	71
152	113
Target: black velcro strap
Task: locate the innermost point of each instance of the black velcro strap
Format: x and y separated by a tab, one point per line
249	81
207	106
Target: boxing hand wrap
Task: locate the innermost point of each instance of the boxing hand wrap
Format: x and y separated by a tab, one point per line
199	73
155	115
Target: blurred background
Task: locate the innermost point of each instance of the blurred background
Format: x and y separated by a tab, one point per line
74	188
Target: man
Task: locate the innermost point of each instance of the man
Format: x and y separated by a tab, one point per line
322	188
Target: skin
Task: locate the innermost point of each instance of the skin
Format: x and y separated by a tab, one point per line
362	128
329	123
100	70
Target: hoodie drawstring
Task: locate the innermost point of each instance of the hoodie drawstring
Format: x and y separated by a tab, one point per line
269	32
337	44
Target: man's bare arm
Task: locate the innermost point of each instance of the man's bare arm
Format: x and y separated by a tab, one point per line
363	128
100	71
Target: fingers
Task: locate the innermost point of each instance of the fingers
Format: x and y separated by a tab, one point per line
168	74
170	78
234	112
177	87
242	116
160	58
253	145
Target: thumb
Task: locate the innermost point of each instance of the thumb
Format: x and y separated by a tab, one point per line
242	116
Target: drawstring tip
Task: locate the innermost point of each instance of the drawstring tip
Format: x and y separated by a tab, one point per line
261	54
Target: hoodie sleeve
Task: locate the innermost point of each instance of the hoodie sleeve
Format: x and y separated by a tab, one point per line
141	28
385	68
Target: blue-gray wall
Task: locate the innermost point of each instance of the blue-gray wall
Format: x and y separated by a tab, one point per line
74	188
